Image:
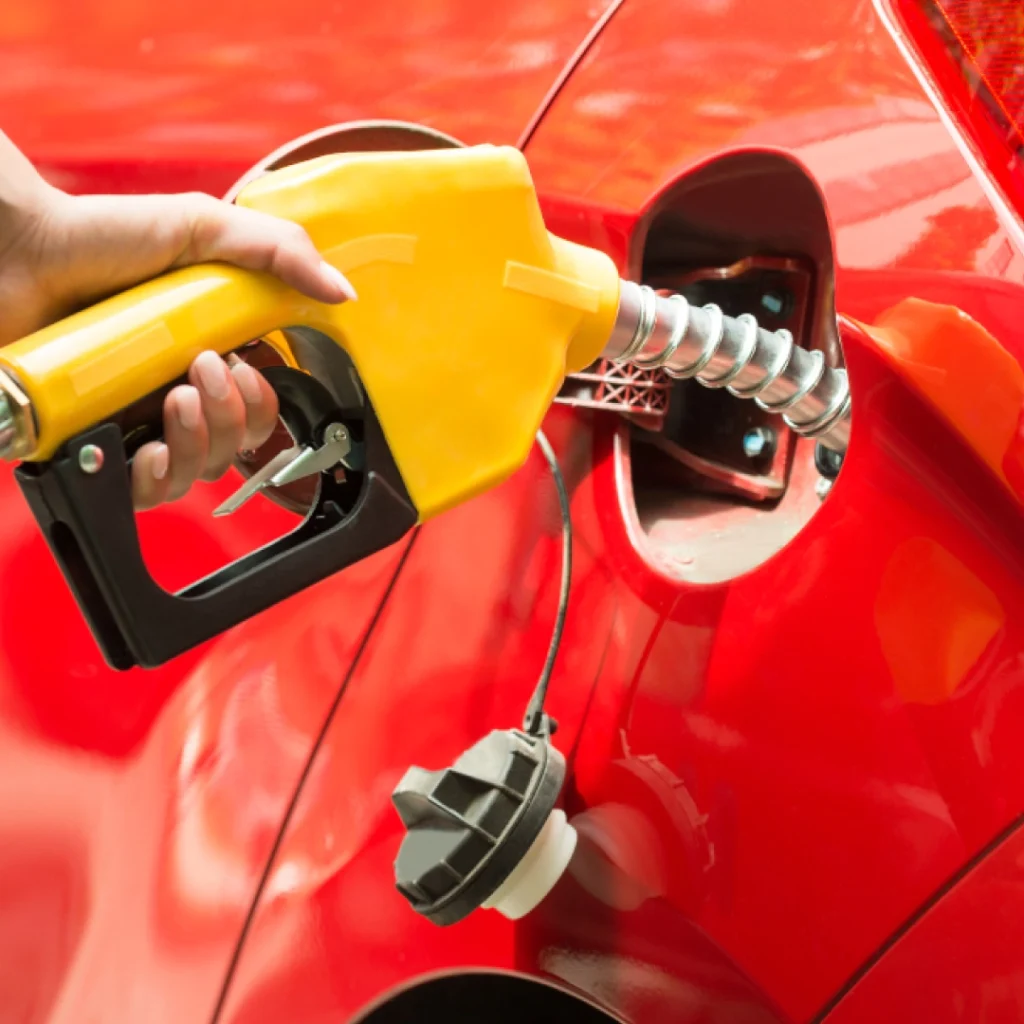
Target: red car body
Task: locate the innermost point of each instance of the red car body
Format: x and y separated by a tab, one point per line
798	781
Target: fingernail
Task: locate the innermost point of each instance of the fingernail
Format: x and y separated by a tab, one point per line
160	461
248	383
336	279
213	375
190	408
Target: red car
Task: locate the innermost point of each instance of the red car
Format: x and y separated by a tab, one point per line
791	702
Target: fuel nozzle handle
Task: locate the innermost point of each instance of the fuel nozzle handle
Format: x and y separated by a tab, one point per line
700	342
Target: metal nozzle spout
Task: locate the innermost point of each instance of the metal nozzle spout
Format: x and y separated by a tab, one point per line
7	425
655	332
17	421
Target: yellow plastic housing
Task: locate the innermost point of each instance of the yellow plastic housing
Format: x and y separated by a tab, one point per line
470	313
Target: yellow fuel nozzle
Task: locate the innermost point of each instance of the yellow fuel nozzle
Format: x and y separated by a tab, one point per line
470	314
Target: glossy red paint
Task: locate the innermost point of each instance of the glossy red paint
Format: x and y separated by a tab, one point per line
844	796
140	809
727	787
770	777
135	96
442	668
665	86
838	794
810	786
137	810
960	962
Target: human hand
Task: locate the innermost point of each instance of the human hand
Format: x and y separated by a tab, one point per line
59	253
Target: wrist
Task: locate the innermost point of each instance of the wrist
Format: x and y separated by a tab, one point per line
26	198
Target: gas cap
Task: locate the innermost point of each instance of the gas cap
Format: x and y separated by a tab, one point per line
484	832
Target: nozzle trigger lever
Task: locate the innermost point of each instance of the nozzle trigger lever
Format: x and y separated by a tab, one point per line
293	464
